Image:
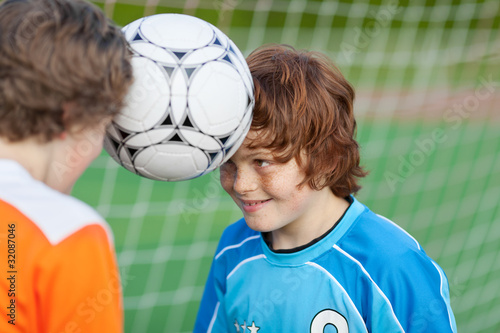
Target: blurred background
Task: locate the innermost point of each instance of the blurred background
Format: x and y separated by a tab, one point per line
427	76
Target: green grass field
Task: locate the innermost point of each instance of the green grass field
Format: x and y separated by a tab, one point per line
433	171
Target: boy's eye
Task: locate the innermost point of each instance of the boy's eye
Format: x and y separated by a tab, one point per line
262	163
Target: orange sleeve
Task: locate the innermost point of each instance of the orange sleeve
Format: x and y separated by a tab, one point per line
69	287
77	285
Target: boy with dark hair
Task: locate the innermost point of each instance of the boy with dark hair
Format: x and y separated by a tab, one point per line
307	255
64	72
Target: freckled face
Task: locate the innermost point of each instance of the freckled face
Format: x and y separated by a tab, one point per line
266	191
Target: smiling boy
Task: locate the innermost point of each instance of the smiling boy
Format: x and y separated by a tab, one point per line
307	256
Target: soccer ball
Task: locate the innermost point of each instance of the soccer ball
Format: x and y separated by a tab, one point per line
190	106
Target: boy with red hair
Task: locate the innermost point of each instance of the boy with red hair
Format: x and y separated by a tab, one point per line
307	255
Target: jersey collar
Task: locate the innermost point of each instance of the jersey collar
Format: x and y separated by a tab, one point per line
319	248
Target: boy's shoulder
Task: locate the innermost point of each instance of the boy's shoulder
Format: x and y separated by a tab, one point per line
382	246
376	232
56	214
387	256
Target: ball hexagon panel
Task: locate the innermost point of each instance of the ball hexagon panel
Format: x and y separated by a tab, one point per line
149	138
177	31
200	140
153	52
148	98
178	161
218	98
203	55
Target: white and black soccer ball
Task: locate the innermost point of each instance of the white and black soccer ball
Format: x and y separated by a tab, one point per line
190	106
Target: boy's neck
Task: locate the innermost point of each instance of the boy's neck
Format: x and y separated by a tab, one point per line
33	156
324	214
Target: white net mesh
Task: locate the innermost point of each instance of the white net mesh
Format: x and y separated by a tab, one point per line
427	82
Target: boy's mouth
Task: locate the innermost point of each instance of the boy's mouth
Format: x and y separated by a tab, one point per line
253	203
251	206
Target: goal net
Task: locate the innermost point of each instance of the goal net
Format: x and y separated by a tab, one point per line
426	75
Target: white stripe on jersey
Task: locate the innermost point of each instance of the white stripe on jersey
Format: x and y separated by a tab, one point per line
235	246
212	322
260	256
313	264
403	230
448	307
336	247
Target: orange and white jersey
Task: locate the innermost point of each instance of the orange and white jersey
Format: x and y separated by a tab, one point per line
58	271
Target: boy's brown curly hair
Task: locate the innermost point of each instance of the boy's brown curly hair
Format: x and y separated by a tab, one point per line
54	52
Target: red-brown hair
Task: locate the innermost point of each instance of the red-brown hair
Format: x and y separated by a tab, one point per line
304	110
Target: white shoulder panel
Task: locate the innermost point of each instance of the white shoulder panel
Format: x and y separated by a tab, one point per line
57	215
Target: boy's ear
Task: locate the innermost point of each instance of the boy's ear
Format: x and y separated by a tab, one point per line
62	135
67	109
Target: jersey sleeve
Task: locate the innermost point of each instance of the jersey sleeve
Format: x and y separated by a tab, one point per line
419	292
78	286
211	314
407	278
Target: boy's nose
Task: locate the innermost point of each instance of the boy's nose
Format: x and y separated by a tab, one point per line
244	182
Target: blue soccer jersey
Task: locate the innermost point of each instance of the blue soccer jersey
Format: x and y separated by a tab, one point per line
366	275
